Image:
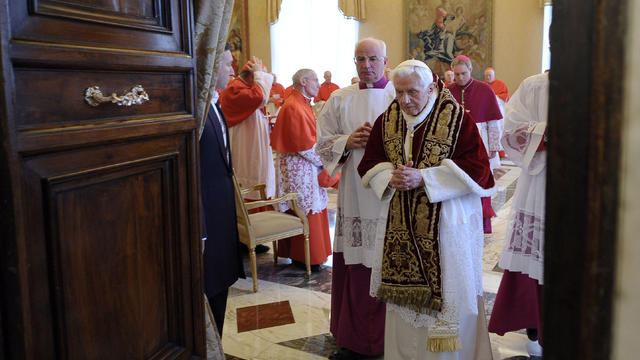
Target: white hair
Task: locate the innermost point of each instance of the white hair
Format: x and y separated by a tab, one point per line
381	44
301	74
424	73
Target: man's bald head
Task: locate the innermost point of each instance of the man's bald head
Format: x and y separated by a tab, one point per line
448	76
370	41
489	75
327	76
306	82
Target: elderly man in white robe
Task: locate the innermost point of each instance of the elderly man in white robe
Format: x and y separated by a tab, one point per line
428	166
357	319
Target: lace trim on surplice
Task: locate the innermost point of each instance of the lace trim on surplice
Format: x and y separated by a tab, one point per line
355	231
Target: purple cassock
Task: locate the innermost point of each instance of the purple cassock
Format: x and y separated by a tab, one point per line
479	99
357	319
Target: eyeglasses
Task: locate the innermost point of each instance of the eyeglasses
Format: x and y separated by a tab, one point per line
372	59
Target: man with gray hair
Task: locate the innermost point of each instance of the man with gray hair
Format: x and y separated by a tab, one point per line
357	319
298	166
428	167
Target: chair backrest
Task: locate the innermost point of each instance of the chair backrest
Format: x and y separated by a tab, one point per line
245	231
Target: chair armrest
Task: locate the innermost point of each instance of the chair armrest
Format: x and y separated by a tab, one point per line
259	187
286	197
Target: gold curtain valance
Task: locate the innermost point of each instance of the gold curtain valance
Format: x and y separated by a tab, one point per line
273	10
353	9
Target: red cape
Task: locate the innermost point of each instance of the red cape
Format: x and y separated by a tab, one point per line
295	128
240	100
500	88
288	91
325	91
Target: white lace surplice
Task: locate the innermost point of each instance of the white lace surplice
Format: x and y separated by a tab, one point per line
298	173
250	145
525	123
358	208
490	133
500	123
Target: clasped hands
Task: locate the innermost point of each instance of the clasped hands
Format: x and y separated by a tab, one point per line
406	177
358	139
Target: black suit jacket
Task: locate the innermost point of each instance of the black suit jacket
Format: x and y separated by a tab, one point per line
222	258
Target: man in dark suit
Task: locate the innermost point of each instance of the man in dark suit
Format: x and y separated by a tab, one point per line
222	258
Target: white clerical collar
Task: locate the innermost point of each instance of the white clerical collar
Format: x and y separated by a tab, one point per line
303	94
214	98
308	98
415	120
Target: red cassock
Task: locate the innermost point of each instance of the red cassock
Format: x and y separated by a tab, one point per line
325	91
294	138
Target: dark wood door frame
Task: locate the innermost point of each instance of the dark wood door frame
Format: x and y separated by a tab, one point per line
585	116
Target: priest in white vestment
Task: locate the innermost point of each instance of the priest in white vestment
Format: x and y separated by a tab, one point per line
518	302
428	166
357	319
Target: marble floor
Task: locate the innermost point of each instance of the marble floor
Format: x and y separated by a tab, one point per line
288	318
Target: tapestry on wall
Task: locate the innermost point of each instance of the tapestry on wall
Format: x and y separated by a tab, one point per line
439	30
238	36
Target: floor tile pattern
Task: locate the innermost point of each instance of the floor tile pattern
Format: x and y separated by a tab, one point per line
284	272
321	345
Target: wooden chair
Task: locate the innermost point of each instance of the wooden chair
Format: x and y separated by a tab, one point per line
266	226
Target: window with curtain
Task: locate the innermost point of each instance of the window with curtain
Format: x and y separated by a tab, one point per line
546	54
313	34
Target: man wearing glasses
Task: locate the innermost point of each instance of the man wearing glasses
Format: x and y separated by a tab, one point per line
357	319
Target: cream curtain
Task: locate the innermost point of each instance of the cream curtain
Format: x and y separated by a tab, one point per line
211	28
353	9
273	10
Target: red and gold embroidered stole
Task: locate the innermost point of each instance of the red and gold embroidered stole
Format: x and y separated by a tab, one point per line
411	273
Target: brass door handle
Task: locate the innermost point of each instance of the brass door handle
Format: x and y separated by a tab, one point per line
93	96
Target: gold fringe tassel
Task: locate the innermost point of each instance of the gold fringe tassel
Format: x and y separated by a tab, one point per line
448	344
418	298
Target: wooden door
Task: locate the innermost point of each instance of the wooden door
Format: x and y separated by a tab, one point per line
588	71
100	250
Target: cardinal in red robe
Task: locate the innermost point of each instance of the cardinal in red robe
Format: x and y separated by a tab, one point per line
277	93
498	86
326	88
298	165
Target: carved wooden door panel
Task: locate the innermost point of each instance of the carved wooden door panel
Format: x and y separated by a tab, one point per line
101	253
